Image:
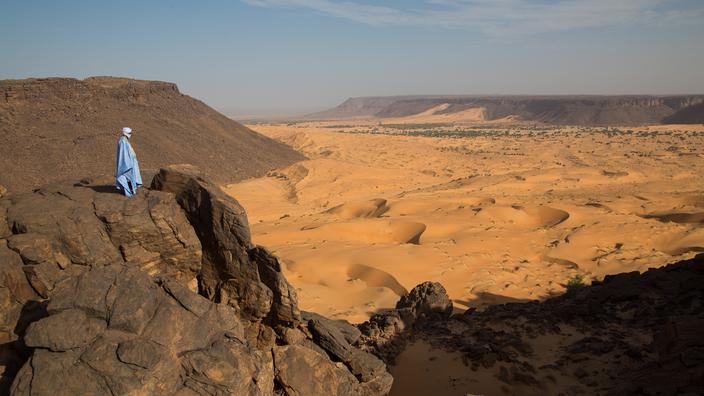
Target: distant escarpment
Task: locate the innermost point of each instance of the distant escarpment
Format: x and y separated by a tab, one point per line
57	128
163	293
689	115
559	110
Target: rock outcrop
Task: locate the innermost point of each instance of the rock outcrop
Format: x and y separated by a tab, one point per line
631	334
163	293
385	334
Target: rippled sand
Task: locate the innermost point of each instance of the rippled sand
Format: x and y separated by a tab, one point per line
509	214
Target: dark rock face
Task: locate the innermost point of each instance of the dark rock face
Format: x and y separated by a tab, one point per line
227	276
19	306
693	114
99	295
284	309
330	339
385	333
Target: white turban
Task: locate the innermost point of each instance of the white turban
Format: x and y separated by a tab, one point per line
127	131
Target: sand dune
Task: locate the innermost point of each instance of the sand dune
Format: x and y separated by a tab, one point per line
439	114
404	207
683	242
372	208
498	217
528	216
676	217
374	277
389	231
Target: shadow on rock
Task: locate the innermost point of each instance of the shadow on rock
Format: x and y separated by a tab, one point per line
14	354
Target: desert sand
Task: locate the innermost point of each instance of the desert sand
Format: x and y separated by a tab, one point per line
495	212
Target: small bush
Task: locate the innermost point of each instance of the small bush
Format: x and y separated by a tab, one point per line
575	282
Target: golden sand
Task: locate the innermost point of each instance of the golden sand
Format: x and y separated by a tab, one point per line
510	214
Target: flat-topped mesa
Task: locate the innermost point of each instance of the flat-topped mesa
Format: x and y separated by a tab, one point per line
591	110
162	293
54	129
69	88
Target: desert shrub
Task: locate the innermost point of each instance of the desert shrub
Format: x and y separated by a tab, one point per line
575	282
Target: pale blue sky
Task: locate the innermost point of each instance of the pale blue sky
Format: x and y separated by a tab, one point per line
299	55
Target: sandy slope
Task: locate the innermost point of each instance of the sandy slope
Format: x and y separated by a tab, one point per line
493	218
435	115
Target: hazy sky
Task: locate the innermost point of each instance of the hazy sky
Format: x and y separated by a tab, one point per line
298	55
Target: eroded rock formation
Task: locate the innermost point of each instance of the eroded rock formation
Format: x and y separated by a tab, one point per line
163	293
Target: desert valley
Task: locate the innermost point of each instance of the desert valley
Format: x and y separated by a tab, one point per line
496	212
402	247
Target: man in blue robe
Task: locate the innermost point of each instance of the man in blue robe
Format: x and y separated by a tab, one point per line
127	175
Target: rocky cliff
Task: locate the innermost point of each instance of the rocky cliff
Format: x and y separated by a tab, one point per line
163	293
53	129
689	115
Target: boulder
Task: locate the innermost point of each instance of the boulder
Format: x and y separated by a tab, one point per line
292	336
228	275
67	330
65	215
350	332
13	282
427	301
229	367
98	297
365	366
87	224
284	309
385	333
301	371
152	232
139	344
330	339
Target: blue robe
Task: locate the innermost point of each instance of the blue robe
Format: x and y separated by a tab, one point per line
127	175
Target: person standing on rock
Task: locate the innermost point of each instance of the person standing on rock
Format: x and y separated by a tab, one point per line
127	176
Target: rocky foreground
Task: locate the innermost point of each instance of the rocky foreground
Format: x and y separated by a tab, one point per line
631	334
165	293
